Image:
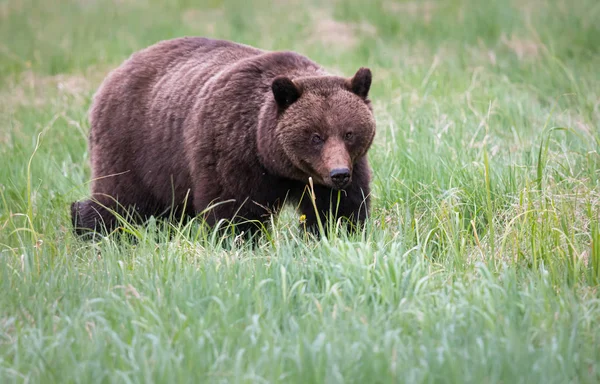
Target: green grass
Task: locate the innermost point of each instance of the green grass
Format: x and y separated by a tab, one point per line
480	263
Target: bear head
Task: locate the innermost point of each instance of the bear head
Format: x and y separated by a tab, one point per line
324	124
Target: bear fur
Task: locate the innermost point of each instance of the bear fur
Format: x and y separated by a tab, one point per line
198	126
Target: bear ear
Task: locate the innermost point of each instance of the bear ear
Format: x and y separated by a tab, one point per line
361	82
285	91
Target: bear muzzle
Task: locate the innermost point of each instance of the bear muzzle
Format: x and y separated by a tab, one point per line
340	177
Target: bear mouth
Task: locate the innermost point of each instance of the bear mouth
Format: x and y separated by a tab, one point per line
339	186
330	183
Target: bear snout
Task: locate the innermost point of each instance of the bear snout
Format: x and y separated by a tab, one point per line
340	177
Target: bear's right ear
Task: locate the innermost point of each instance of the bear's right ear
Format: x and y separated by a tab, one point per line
285	91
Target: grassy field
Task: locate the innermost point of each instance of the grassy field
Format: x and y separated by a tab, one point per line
480	263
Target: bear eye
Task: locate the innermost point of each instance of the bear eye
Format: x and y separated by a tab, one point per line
348	136
316	139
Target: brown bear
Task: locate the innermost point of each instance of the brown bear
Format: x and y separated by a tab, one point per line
198	126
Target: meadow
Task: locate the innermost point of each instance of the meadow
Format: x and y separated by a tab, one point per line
480	262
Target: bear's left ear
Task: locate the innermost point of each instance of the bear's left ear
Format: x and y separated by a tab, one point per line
361	82
285	91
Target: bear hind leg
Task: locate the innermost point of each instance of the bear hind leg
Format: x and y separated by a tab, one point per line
91	217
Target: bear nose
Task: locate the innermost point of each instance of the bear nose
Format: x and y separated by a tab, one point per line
340	176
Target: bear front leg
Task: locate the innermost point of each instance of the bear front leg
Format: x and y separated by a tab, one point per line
236	216
351	205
